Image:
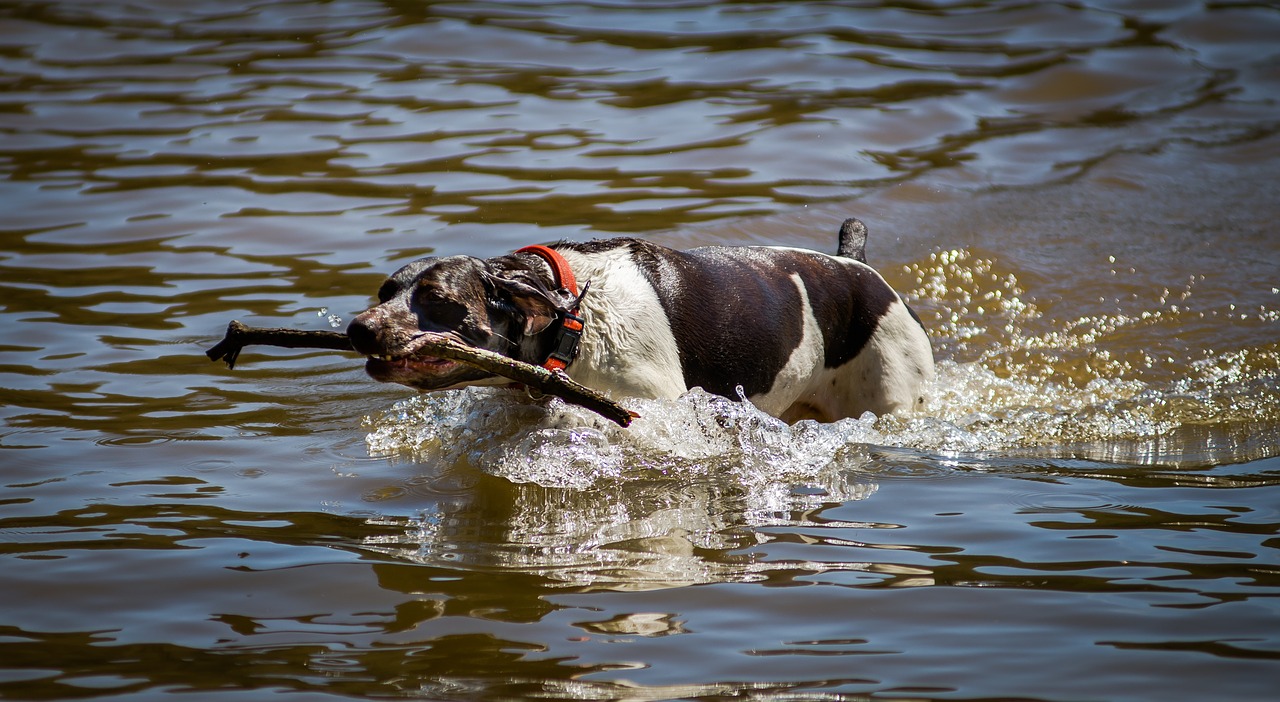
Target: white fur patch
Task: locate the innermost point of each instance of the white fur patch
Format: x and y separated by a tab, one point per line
891	372
805	360
627	347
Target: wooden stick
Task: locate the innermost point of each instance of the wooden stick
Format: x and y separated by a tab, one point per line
536	377
239	336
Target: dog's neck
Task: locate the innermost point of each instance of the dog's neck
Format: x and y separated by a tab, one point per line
569	327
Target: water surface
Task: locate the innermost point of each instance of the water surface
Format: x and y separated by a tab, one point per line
1078	199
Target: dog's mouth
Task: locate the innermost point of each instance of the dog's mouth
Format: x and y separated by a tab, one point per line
407	366
412	364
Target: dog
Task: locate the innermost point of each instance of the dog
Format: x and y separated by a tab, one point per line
805	335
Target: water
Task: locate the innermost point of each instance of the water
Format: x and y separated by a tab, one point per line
1078	199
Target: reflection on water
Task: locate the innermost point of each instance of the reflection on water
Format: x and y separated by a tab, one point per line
1078	199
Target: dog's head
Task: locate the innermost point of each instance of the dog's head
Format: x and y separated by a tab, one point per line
502	304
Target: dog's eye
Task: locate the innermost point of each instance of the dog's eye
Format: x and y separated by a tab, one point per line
444	312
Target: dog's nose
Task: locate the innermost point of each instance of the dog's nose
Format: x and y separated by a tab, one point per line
362	335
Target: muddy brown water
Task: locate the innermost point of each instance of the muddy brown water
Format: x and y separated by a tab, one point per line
1080	200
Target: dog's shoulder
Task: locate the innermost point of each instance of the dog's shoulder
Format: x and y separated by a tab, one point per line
625	245
653	262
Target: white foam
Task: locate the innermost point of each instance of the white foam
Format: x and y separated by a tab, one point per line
553	444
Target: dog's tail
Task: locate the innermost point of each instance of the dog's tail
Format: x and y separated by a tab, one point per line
853	240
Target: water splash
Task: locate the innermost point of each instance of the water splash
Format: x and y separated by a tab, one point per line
334	321
1127	380
973	410
554	444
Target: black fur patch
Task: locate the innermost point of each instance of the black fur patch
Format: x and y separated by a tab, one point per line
736	313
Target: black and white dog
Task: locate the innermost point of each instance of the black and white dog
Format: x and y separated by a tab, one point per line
806	334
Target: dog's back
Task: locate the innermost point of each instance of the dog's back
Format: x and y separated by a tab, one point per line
804	334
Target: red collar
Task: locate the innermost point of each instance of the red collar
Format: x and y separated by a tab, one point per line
560	270
566	344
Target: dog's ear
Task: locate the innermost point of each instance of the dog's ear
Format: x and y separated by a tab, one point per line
539	307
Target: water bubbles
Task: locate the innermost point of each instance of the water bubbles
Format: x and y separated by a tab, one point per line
334	321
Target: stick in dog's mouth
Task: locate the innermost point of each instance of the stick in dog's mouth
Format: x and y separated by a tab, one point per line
412	354
238	336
